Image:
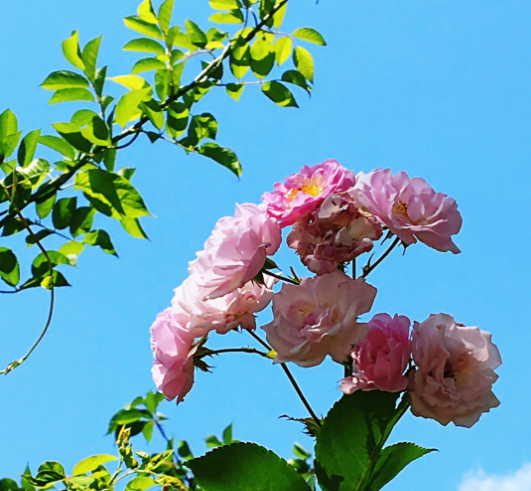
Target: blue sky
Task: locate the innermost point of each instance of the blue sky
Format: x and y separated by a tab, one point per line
440	89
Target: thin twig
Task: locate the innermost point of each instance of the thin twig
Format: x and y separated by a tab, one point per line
236	350
368	269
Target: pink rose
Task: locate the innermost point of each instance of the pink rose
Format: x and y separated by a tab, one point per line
455	371
410	208
200	316
336	231
319	317
236	250
380	359
172	346
304	191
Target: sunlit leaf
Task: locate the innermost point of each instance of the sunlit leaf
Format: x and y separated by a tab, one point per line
71	51
310	35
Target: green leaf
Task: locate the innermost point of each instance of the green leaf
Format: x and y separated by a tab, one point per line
304	62
240	60
147	13
90	57
262	57
227	435
69	95
197	36
165	13
301	452
245	466
156	117
296	78
266	6
282	49
8	485
59	145
184	450
351	437
45	207
97	132
232	17
99	81
90	464
141	483
213	441
223	156
177	38
71	51
132	82
147	431
139	25
27	148
25	484
124	417
71	132
146	65
235	90
310	35
9	267
39	236
144	45
393	460
63	211
225	4
83	117
82	220
278	18
9	134
127	107
111	194
102	239
41	266
71	250
279	94
64	79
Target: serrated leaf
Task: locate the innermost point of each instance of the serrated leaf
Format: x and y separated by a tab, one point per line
90	464
245	466
393	459
224	156
282	47
127	106
111	194
139	25
71	51
304	62
9	267
144	45
165	13
27	148
100	238
279	94
69	95
232	17
64	79
90	57
58	144
146	65
235	90
309	34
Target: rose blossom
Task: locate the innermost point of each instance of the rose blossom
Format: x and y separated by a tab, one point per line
236	250
410	208
455	371
336	231
381	358
302	192
221	314
172	346
319	317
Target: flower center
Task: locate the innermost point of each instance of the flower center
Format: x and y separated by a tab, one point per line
313	187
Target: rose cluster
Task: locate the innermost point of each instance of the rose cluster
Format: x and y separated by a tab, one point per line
335	216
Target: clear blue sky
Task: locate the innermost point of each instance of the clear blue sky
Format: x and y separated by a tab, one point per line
440	89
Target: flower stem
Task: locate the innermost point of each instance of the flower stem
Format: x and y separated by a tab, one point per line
291	378
280	277
244	349
368	269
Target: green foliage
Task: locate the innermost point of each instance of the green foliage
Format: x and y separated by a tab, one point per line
9	267
245	466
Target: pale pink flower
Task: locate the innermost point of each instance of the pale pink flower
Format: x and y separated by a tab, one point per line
455	371
410	208
172	346
304	191
236	250
200	316
381	358
319	317
337	231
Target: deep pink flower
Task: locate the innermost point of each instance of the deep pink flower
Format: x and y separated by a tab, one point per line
200	316
455	371
410	208
172	346
381	358
302	192
236	250
319	317
336	231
